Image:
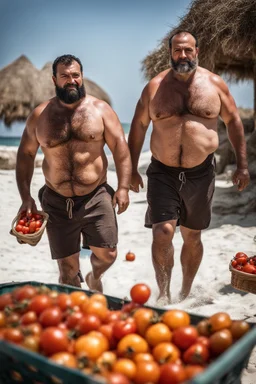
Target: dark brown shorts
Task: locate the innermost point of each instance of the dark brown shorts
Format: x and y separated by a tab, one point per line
182	194
91	216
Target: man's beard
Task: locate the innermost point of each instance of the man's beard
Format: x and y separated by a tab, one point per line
70	95
184	66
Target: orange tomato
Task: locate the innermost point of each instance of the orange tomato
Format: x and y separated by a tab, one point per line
79	298
132	344
175	318
130	256
219	320
125	366
144	317
90	346
166	353
147	372
139	357
95	308
158	333
65	358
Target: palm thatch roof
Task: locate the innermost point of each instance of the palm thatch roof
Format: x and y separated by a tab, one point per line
23	87
226	31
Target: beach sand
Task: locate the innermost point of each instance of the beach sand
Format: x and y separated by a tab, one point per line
211	291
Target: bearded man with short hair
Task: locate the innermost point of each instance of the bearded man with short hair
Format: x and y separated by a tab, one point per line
183	103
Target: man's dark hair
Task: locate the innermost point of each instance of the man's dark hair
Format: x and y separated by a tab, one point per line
178	33
65	60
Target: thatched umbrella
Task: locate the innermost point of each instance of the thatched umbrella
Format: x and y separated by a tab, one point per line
23	87
226	31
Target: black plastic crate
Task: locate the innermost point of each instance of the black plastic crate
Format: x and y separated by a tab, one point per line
20	365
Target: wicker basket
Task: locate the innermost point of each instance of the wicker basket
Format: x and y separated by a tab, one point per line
30	238
243	281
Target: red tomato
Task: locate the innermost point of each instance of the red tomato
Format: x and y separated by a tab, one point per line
13	334
240	254
37	216
38	224
25	230
112	316
140	293
248	268
184	337
242	260
234	263
172	373
50	317
130	256
88	323
21	222
129	307
5	299
19	228
32	226
196	354
39	303
25	292
73	318
53	340
124	327
64	301
28	318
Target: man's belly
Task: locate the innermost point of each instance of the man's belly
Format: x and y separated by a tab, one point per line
76	180
183	145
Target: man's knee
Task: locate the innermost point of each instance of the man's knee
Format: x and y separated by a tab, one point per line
107	255
191	235
163	233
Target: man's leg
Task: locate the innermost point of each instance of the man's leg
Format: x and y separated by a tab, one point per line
191	256
69	269
101	260
162	257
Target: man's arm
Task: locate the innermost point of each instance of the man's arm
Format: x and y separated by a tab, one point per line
139	126
115	139
235	131
25	163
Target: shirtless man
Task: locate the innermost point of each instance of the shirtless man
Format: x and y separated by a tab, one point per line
72	129
183	103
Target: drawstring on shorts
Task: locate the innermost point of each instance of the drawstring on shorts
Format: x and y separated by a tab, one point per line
182	178
70	205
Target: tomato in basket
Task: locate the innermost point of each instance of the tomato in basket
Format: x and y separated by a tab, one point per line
28	224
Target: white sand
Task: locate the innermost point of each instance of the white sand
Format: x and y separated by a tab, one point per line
211	291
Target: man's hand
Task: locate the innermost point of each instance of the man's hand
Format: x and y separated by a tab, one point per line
136	182
28	206
121	198
241	178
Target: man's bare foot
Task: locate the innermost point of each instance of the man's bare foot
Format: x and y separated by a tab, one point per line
183	296
163	300
93	284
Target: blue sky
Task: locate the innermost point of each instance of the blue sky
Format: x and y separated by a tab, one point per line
110	37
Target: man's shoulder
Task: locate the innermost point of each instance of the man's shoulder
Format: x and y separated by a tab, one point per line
213	77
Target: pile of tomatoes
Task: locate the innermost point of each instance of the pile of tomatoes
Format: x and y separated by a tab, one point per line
135	344
243	263
29	223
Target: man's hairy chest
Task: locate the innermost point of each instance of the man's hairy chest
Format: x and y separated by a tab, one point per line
58	128
180	101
